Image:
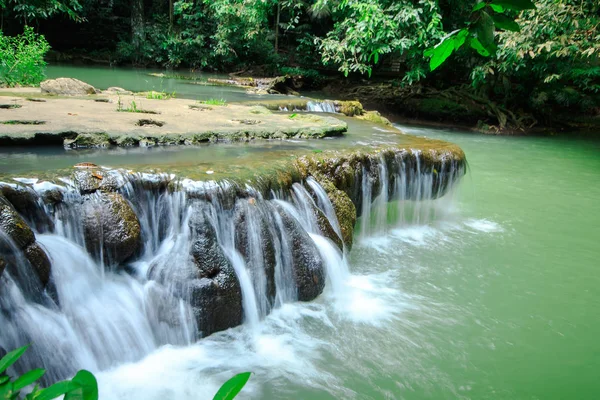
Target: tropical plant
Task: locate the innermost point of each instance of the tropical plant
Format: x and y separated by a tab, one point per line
83	386
486	17
22	58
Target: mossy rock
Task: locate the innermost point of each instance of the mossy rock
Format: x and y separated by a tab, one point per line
88	140
375	117
111	227
349	108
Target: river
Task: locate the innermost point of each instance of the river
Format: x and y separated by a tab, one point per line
493	292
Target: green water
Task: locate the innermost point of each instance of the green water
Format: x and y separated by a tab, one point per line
138	80
496	298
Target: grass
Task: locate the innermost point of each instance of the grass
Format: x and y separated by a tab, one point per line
23	122
160	95
133	108
215	102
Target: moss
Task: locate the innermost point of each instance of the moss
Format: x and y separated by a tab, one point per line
260	110
375	117
350	108
89	140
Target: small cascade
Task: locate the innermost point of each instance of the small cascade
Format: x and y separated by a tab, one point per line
400	190
152	260
321	106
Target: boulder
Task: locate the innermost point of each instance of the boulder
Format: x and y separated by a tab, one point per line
23	241
27	203
67	87
215	293
344	208
307	265
254	241
89	180
111	228
117	90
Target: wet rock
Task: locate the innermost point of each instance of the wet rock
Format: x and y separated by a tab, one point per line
254	240
349	108
345	210
2	268
27	203
308	267
215	295
18	232
39	261
111	228
67	87
89	180
326	228
88	140
14	226
375	117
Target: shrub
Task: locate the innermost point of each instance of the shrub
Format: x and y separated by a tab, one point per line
22	58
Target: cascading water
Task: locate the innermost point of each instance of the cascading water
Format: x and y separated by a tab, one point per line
321	106
211	257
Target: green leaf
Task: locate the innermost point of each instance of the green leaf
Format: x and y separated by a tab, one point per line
484	30
460	38
476	44
87	387
56	390
5	390
503	22
4	379
479	6
28	378
517	5
232	387
441	52
497	8
10	358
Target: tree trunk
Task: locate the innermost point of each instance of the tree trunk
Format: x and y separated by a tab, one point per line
137	26
277	27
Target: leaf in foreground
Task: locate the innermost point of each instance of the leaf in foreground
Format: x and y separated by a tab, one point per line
232	387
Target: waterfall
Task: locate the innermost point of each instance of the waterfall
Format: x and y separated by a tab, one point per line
321	106
208	256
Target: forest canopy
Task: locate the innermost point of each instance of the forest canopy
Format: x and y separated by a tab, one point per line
525	54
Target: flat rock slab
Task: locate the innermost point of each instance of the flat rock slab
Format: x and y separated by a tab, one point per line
95	120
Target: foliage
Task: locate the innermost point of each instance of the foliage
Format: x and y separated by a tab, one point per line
554	58
486	17
22	58
214	102
31	10
232	387
366	30
160	95
83	386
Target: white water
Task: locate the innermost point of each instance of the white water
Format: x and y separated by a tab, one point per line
321	106
140	338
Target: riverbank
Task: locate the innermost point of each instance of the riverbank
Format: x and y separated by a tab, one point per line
28	117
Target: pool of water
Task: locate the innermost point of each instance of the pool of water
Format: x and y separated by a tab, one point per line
496	297
138	80
222	159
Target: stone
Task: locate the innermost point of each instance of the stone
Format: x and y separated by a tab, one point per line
251	215
28	204
215	294
111	227
117	90
67	87
16	229
307	264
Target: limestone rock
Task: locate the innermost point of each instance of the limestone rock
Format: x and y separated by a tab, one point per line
215	294
111	227
254	241
308	267
16	230
67	87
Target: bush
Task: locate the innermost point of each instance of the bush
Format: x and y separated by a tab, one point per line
22	58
